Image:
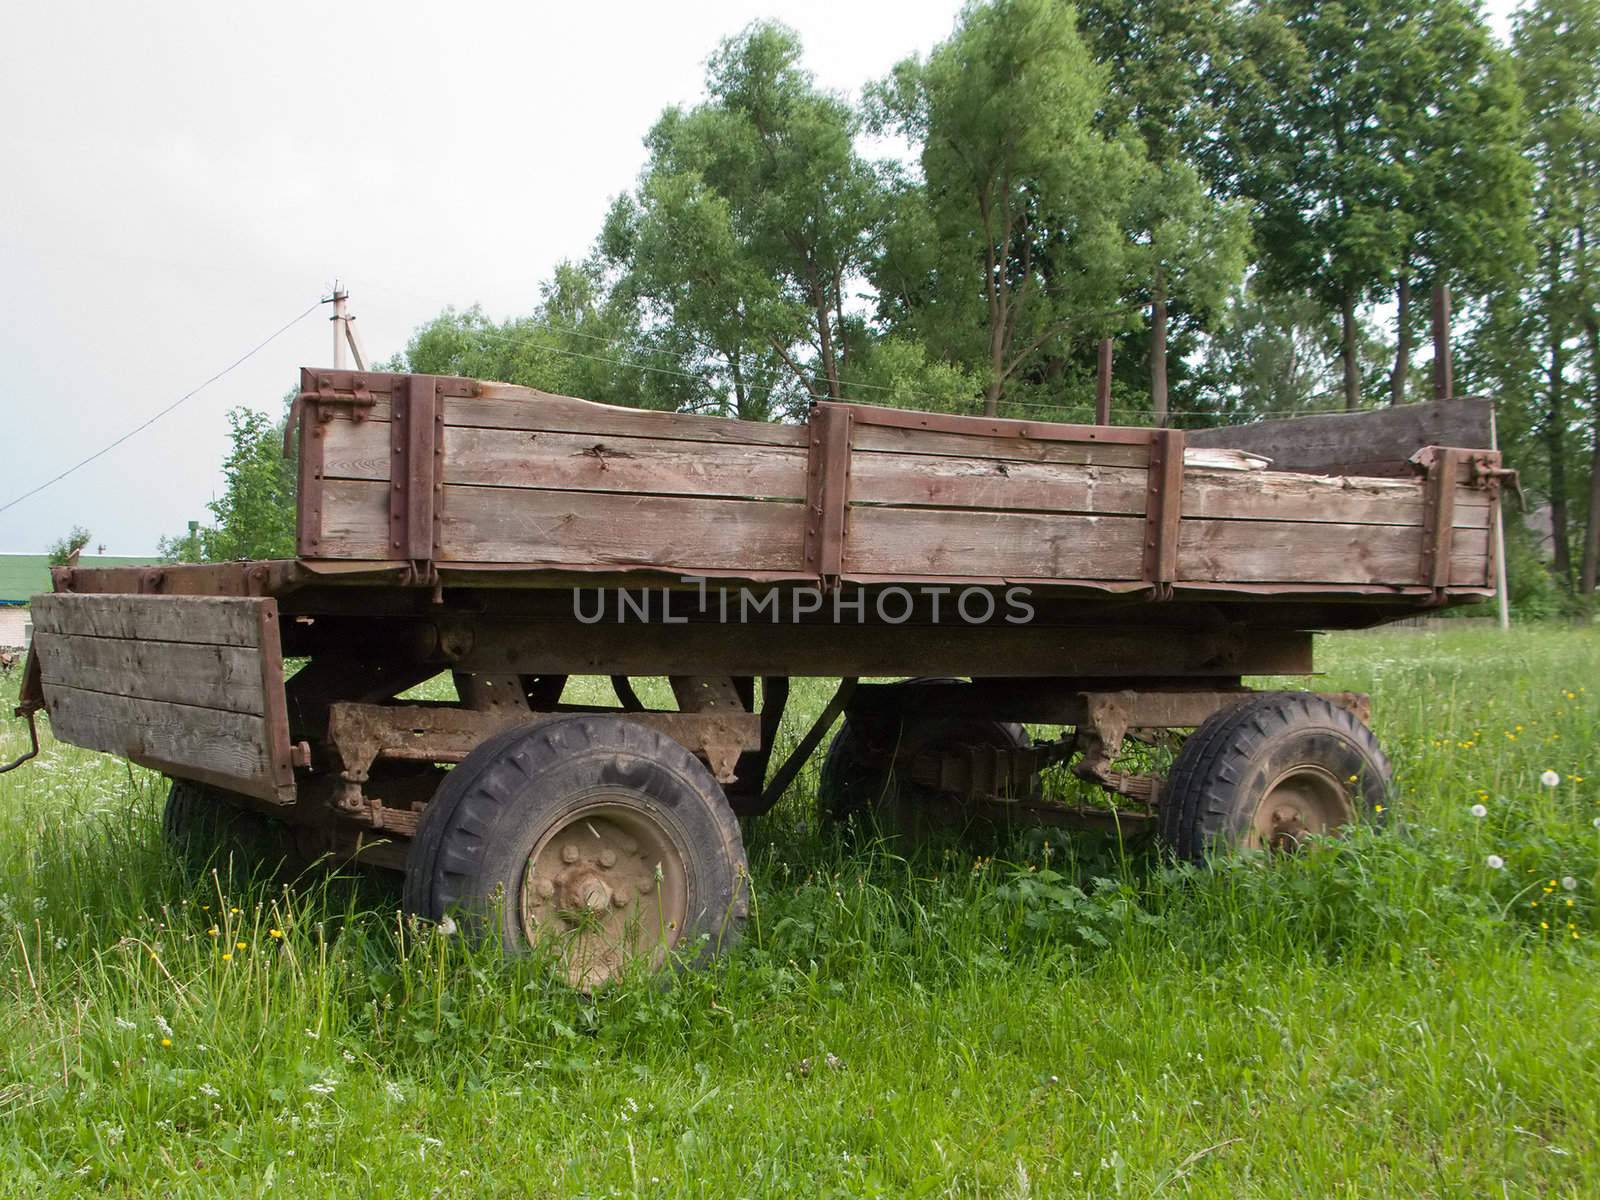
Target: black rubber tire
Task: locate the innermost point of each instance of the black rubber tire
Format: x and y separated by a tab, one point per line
1225	766
851	785
207	827
472	844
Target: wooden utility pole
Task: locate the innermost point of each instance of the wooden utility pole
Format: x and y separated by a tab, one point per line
344	331
1102	391
1444	383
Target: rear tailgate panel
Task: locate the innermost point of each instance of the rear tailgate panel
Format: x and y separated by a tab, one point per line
191	686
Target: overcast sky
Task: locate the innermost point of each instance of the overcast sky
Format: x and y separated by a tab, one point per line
180	179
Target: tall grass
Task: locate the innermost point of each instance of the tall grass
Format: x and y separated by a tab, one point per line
1387	1015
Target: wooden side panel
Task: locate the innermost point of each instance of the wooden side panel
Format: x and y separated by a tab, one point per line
545	480
1000	545
191	686
560	528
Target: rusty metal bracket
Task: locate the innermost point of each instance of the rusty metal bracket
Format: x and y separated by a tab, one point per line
416	475
827	491
1439	515
1163	510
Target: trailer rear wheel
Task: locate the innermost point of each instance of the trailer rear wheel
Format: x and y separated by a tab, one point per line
1267	773
594	837
208	827
860	781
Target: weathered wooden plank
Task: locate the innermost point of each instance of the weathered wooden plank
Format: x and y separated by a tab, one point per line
969	543
221	677
1374	442
207	620
533	525
505	406
894	440
583	462
1277	495
166	736
1306	552
943	481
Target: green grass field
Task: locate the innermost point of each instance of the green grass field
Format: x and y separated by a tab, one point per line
1387	1016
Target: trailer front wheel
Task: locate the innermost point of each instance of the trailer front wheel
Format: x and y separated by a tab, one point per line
594	837
1267	773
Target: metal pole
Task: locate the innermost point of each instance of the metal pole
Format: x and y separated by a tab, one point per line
1443	374
339	319
1502	596
1102	392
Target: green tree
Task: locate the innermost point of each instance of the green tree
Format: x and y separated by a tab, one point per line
63	549
1015	244
1557	49
255	515
753	217
1168	85
1392	154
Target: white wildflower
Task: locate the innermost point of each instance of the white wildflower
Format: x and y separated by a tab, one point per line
124	1023
394	1091
1494	862
207	1090
1479	810
161	1024
1550	779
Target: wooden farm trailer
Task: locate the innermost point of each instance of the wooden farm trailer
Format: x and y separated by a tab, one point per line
1108	580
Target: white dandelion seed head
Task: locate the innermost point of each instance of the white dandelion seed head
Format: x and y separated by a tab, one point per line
1550	779
1479	810
1569	883
1595	822
1494	862
446	926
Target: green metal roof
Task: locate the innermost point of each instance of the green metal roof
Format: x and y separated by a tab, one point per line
22	575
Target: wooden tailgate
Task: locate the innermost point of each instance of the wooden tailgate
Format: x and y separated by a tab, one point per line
191	686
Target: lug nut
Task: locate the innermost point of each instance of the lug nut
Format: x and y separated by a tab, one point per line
569	853
621	897
608	857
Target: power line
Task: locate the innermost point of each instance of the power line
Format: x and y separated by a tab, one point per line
243	358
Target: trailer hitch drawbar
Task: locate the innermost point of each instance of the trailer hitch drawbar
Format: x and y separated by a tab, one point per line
25	710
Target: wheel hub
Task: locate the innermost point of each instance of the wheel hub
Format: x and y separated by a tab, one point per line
1303	801
605	887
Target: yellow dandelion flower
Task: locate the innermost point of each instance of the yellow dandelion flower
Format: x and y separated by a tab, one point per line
166	1041
227	958
1377	808
1544	924
233	910
276	933
213	931
240	945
